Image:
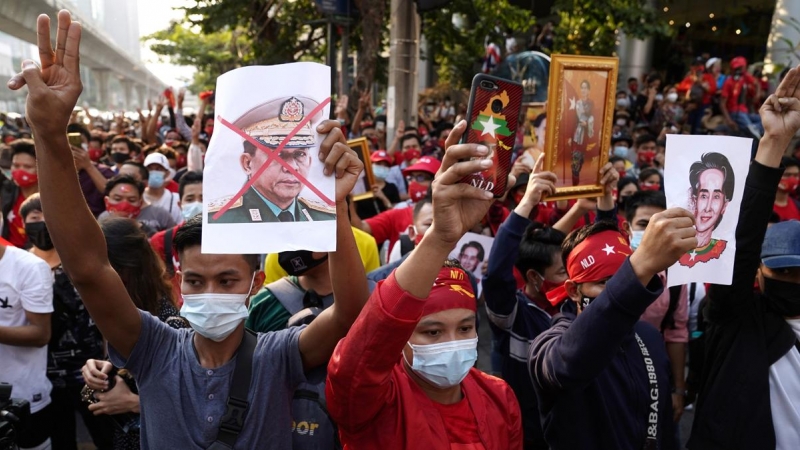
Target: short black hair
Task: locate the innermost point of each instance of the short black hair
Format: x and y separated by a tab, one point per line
577	236
644	139
649	172
410	136
124	179
422	202
132	146
31	204
537	247
624	181
586	82
614	159
190	234
23	146
142	169
716	161
477	246
190	177
78	128
788	161
632	79
644	198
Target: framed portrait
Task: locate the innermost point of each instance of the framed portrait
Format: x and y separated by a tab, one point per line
580	109
363	189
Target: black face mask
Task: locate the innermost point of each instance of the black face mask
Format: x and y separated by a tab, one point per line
38	235
783	296
298	262
120	158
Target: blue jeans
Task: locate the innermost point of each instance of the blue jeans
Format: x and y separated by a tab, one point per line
746	120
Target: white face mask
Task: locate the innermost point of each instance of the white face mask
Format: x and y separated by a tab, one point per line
189	210
215	316
672	97
659	97
446	364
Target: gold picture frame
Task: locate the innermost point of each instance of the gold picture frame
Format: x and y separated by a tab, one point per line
363	189
582	90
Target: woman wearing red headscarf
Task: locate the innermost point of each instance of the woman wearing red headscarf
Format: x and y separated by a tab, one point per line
403	377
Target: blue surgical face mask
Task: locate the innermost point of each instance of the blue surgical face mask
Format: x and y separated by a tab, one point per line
636	239
156	179
189	210
445	364
380	172
215	316
621	151
6	173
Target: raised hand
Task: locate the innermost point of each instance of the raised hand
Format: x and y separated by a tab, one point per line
339	158
540	184
53	88
780	113
609	179
457	207
669	235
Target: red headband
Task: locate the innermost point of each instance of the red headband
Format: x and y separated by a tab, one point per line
598	257
451	290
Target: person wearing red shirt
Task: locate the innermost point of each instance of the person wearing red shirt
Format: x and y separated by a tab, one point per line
785	206
388	225
25	182
738	91
403	377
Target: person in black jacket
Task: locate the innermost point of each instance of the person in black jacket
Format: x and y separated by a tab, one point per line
750	386
602	379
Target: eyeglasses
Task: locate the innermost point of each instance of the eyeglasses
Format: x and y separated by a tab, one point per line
419	178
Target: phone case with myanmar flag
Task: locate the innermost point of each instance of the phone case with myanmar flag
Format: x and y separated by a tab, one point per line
492	120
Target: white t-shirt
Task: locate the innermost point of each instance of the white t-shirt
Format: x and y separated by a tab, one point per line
169	203
784	395
26	284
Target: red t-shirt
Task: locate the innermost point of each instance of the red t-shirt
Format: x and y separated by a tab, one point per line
389	224
172	186
787	212
460	425
736	93
16	227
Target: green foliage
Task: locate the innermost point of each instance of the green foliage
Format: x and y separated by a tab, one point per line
211	54
589	27
459	52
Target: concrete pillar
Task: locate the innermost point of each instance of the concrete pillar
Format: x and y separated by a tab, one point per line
635	57
103	93
779	52
425	64
141	96
127	89
401	96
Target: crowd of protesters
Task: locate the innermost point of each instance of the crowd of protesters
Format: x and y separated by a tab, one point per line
110	313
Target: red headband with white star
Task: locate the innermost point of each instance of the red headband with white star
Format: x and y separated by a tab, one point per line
596	258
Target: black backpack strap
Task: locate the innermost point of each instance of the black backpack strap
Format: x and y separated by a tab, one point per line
406	245
232	421
168	251
674	299
306	394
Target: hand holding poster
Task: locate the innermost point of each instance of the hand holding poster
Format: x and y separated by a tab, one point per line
705	175
265	190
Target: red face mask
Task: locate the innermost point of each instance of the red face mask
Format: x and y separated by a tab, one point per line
417	191
622	173
123	209
647	157
789	184
651	186
24	179
95	154
180	160
209	130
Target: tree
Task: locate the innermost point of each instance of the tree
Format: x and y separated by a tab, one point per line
211	54
591	27
458	51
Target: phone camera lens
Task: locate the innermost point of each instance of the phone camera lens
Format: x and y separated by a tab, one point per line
497	106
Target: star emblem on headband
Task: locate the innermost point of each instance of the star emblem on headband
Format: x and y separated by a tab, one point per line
609	249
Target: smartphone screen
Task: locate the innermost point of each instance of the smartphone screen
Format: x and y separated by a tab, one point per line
75	140
492	120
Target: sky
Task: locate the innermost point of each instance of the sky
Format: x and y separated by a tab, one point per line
155	15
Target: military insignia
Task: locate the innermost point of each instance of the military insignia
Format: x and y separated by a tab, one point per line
317	206
305	213
255	215
218	204
291	110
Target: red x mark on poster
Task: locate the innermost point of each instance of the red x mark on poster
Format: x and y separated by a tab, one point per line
273	155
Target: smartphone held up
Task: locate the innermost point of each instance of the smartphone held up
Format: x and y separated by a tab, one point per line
492	119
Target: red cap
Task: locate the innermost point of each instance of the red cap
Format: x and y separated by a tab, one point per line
425	164
451	290
738	62
380	156
598	257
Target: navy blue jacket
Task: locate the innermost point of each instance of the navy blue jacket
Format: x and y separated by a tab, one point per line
743	338
590	377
